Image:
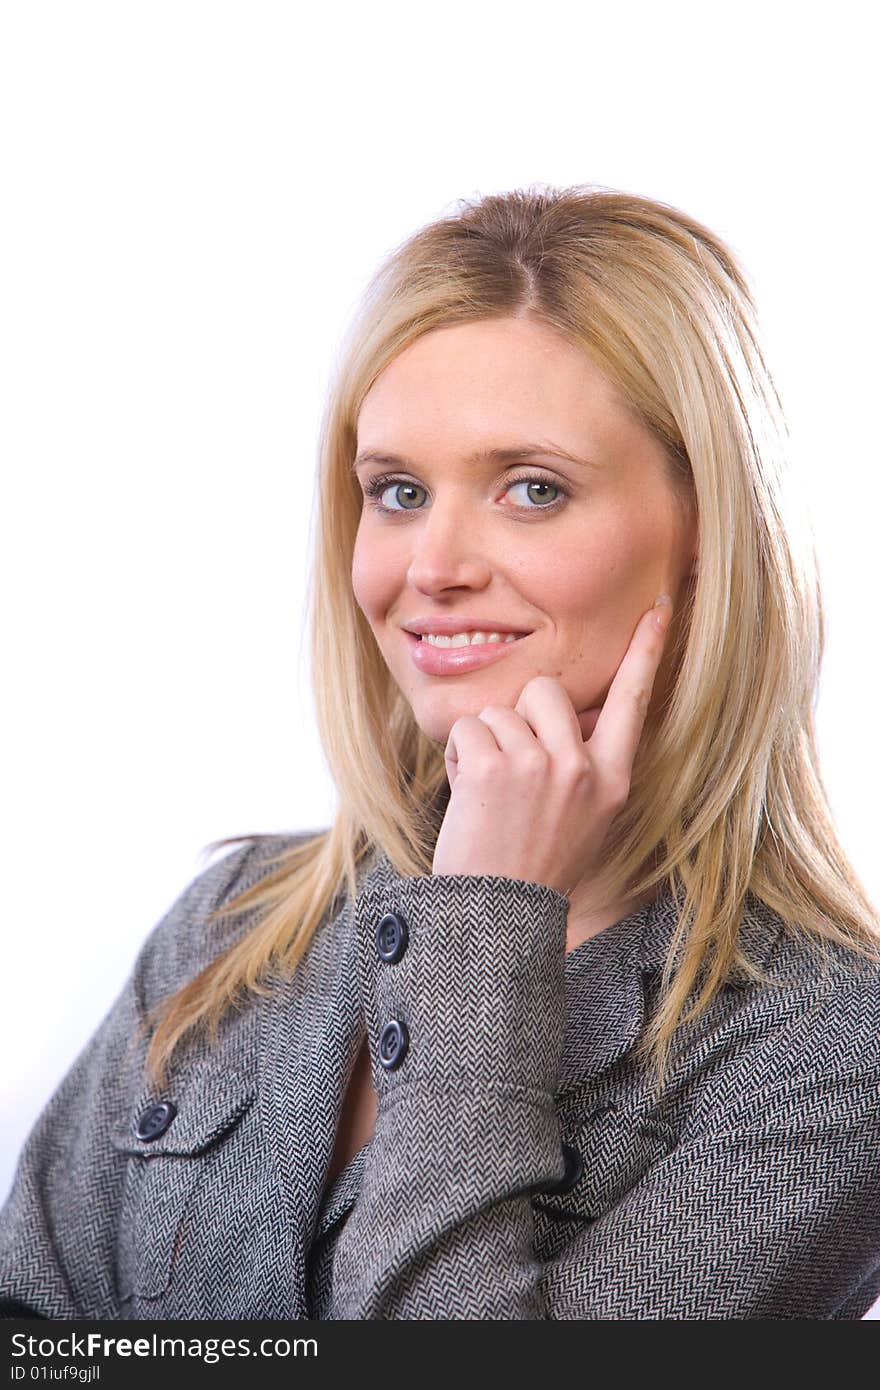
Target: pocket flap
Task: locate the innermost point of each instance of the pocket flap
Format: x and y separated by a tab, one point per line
205	1106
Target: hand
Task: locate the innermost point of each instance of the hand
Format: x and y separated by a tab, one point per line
530	799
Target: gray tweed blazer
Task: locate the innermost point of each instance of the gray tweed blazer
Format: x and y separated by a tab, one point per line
520	1167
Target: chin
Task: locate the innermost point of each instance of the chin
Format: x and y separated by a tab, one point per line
437	727
435	717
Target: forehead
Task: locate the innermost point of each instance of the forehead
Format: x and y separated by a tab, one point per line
510	360
514	372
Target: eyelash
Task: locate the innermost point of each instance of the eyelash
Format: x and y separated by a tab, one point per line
376	486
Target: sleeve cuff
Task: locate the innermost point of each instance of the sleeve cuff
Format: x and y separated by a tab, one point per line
462	980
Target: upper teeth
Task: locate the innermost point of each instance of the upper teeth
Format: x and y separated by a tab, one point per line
467	639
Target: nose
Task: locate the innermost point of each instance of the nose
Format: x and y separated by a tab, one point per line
447	550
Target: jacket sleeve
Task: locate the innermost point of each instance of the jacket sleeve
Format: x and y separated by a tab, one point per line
58	1228
466	1120
769	1209
775	1217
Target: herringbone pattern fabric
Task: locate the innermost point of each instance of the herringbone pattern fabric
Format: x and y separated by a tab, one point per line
752	1190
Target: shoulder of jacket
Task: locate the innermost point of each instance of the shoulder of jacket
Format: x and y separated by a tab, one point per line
829	995
184	941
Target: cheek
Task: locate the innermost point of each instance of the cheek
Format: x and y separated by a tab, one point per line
371	577
592	592
586	579
606	569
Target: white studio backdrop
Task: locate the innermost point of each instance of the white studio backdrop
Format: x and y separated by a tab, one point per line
195	194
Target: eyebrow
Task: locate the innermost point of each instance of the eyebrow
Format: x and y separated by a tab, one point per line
480	456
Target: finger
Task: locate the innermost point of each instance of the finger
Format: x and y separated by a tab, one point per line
512	733
618	729
546	707
469	738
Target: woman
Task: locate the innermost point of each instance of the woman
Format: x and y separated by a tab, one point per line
572	1012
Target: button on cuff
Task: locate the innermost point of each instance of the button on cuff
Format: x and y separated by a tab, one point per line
392	937
393	1044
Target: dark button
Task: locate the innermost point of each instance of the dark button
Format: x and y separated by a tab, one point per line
391	937
393	1043
574	1170
154	1121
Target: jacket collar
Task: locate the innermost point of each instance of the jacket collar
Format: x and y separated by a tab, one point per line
607	978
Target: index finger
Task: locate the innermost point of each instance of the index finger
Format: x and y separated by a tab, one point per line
615	738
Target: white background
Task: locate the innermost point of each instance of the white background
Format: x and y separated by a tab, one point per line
194	196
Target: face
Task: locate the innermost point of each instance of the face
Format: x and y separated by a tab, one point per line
569	543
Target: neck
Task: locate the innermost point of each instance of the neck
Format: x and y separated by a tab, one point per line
585	919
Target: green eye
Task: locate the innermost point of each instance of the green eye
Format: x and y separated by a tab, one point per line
401	486
537	483
406	494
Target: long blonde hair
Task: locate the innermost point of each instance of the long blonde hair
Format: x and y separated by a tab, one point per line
726	794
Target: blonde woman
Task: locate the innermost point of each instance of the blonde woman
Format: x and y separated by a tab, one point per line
572	1013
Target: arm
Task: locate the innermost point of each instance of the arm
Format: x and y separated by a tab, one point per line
58	1229
770	1210
777	1218
466	1123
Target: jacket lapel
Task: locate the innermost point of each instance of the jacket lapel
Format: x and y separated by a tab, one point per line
606	980
604	1001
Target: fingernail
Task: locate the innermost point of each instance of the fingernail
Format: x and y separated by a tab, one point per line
663	607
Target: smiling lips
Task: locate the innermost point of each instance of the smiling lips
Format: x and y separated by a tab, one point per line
454	623
455	661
